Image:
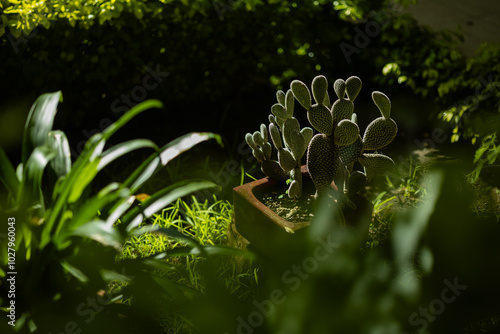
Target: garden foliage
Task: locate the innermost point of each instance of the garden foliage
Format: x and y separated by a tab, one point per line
69	229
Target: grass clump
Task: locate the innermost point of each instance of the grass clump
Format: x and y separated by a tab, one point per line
206	222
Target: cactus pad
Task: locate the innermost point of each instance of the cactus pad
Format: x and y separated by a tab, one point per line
376	164
298	146
279	111
350	153
250	142
280	96
342	109
322	162
289	103
275	136
346	133
259	155
258	138
286	160
383	104
339	88
301	93
353	87
263	132
356	182
272	169
319	88
379	133
267	150
321	119
295	189
290	125
307	133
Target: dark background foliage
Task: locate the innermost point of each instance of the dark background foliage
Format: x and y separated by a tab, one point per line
223	64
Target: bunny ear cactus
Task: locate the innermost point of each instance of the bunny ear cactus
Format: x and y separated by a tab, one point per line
378	134
338	145
295	140
382	130
289	140
262	150
334	129
342	108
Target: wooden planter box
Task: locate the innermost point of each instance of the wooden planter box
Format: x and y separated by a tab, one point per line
266	231
270	234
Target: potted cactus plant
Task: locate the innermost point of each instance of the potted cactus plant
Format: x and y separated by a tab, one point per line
339	161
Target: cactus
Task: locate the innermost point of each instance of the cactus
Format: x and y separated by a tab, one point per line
378	134
333	151
334	124
262	151
289	140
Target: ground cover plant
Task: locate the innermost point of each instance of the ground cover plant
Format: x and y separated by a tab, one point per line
207	222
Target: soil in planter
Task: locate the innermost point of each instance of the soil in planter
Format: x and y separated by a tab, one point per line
295	211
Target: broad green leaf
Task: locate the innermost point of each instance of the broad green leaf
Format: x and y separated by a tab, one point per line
493	155
143	173
479	153
39	122
136	110
111	275
75	272
86	176
98	230
161	199
72	186
85	167
410	227
62	161
123	148
168	152
89	211
184	143
119	210
31	186
8	175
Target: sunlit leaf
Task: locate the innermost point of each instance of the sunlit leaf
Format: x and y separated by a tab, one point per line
31	191
161	199
86	176
123	148
75	272
183	144
39	122
89	211
166	153
136	110
62	161
98	230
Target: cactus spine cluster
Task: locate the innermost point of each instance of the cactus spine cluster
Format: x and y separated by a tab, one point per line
333	151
